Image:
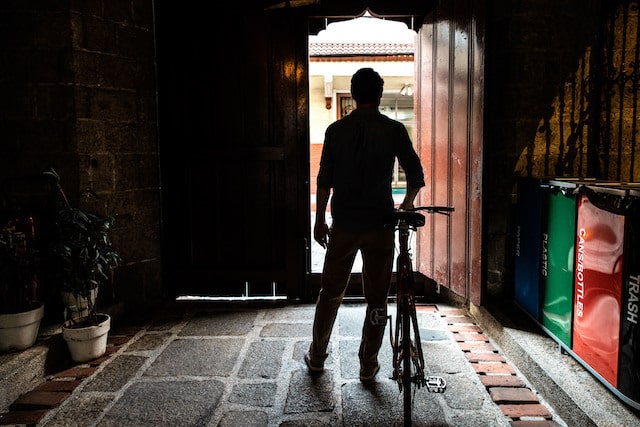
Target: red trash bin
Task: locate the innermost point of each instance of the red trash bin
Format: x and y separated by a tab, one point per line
600	226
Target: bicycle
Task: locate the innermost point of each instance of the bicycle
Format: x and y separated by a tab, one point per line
408	358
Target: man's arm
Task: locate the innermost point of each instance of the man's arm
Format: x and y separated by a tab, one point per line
321	230
410	163
409	197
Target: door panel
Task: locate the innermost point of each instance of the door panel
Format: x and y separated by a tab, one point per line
234	154
449	70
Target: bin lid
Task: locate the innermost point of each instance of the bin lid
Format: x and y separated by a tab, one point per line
612	198
567	186
558	183
634	192
616	190
633	189
569	181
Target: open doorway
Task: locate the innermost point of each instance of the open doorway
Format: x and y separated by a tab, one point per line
337	52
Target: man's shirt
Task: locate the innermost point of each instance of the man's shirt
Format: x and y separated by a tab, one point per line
357	162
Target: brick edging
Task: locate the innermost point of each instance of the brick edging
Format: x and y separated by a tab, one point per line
514	398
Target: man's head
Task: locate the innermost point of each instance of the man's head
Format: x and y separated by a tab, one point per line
366	86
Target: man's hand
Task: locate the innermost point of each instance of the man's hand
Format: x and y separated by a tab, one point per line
406	206
321	233
321	230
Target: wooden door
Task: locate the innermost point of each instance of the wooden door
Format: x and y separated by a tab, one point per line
234	152
449	116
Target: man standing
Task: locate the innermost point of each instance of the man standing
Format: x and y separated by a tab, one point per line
357	164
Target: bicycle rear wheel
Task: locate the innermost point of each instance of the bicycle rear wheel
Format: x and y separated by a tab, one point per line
406	362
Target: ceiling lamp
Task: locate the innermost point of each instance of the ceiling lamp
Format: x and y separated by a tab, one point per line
407	90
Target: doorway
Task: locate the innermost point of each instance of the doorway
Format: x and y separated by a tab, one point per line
448	93
335	53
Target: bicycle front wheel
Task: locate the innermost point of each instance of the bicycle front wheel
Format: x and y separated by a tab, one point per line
406	362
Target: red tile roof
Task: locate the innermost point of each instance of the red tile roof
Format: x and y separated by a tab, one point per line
359	49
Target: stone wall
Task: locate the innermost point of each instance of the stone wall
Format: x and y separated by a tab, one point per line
532	47
562	98
78	95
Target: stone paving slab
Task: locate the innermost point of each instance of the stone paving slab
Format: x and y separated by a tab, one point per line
212	323
201	356
310	393
149	342
444	357
263	360
80	410
380	404
244	419
260	395
116	374
166	403
286	330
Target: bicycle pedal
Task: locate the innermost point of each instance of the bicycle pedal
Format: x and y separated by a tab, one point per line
436	384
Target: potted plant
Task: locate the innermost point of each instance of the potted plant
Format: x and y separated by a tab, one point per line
20	311
81	247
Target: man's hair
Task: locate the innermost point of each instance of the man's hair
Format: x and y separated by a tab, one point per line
366	86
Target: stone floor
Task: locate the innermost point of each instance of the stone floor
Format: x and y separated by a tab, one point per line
202	365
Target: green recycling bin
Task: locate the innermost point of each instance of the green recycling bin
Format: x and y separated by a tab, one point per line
557	258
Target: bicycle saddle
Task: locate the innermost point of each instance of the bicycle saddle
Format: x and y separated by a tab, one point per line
414	219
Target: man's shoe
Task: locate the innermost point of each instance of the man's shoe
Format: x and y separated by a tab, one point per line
310	365
369	375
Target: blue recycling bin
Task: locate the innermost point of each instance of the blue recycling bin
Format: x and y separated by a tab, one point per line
527	286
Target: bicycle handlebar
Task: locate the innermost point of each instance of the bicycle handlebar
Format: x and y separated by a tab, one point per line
412	218
444	210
